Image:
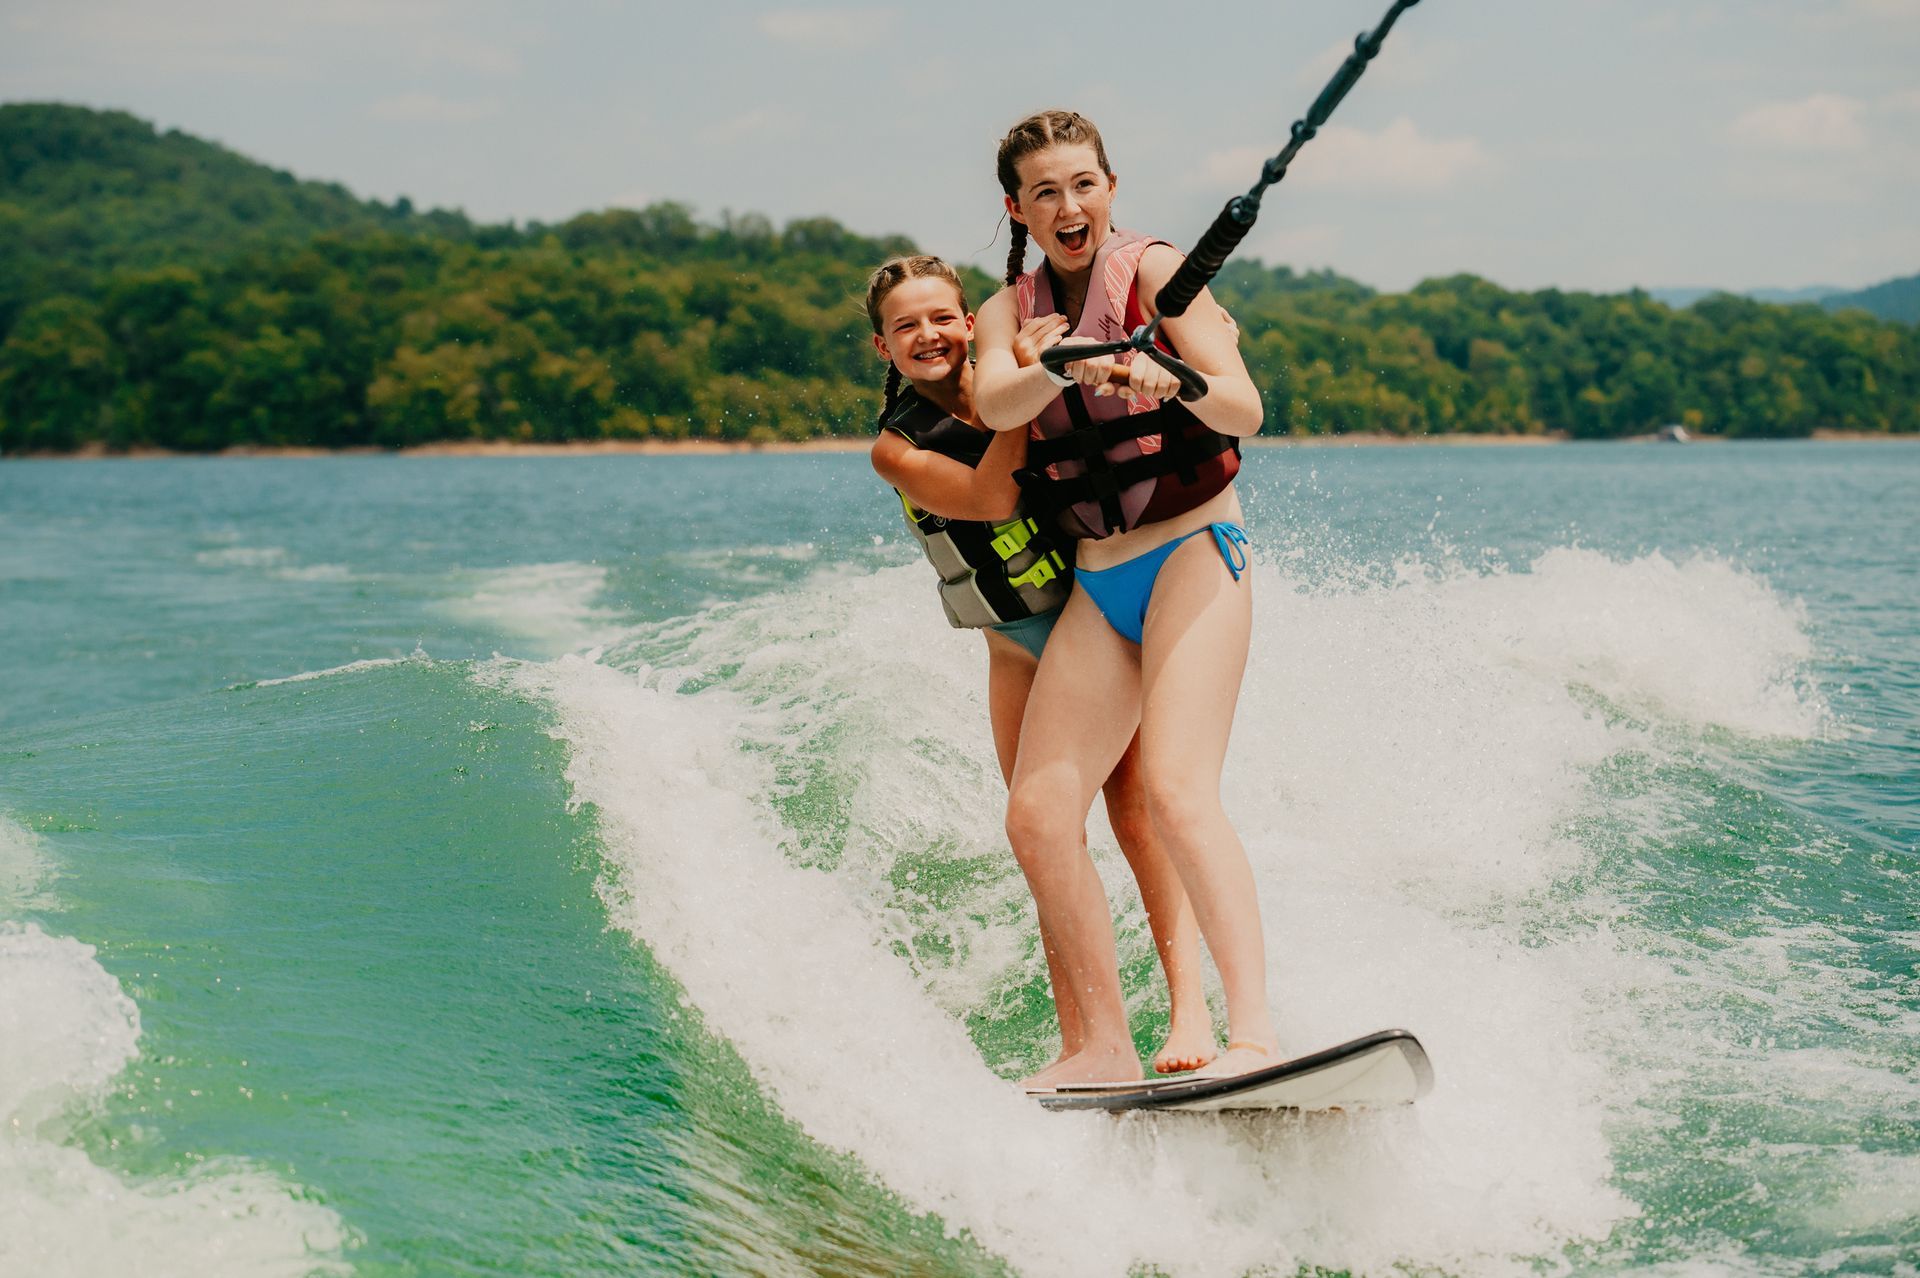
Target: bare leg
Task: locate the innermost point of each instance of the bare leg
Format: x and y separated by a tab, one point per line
1190	1042
1010	671
1079	719
1193	656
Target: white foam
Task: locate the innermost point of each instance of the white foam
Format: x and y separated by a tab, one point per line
1410	751
797	552
1698	641
243	557
25	872
315	572
67	1030
352	667
275	560
549	607
1877	1192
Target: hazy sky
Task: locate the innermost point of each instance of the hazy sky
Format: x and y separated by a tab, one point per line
1582	143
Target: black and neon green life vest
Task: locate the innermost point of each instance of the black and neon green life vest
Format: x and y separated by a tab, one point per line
989	573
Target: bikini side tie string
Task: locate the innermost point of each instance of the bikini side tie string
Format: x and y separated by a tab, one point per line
1231	541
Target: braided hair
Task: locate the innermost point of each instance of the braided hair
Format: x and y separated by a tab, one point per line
889	275
1036	133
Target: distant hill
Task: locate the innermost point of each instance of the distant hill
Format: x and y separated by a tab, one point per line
1894	300
158	290
84	191
1683	297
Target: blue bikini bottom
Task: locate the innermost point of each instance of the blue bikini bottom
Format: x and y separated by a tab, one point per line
1123	591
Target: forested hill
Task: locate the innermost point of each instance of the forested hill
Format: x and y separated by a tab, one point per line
83	191
158	290
1895	300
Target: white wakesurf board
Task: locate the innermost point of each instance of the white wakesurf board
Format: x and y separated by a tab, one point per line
1374	1072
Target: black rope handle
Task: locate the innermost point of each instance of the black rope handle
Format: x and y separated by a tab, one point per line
1233	223
1193	384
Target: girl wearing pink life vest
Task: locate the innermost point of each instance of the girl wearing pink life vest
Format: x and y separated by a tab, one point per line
1155	633
1000	575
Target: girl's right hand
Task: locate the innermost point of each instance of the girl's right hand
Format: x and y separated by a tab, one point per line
1036	335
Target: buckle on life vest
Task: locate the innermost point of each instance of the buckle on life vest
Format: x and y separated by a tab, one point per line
1044	570
1013	537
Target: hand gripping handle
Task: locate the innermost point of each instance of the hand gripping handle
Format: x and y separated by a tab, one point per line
1193	385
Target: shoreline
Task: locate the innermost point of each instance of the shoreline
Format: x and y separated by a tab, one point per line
851	444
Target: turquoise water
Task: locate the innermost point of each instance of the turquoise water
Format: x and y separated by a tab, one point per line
592	866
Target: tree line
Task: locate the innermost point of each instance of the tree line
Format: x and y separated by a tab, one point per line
196	301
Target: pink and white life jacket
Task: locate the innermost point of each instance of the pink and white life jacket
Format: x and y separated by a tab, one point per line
1103	463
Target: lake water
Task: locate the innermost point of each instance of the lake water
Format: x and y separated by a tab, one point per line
593	866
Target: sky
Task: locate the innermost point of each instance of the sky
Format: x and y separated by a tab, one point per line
1582	144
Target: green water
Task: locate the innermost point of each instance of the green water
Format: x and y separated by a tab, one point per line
418	944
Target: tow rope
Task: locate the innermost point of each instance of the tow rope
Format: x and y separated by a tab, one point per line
1228	229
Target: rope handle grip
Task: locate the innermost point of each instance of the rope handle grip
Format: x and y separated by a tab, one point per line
1193	385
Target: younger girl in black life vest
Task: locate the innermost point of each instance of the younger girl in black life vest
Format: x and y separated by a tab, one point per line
1001	574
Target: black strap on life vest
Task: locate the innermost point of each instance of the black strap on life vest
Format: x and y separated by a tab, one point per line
1185	443
1101	484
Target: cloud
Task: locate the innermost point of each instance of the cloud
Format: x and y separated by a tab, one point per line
1894	9
1903	100
1296	245
760	122
829	28
419	107
1396	158
464	53
1681	22
1408	58
1823	122
276	41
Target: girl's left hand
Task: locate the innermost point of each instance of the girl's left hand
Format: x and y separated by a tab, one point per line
1035	336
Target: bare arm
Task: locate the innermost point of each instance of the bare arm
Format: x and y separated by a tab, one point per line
1207	340
950	488
1005	395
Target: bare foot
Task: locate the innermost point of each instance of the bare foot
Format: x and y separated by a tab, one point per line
1242	1058
1187	1047
1092	1065
1036	1081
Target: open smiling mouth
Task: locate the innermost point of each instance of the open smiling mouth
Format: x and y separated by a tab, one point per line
1072	238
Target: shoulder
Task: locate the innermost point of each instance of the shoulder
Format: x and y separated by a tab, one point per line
1157	265
892	457
911	414
998	320
1005	303
889	446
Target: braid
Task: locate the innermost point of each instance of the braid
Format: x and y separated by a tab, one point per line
893	392
1017	254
